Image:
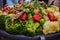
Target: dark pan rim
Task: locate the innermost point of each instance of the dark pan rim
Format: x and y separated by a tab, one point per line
7	35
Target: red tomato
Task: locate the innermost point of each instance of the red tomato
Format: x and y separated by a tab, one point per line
52	17
8	10
16	12
23	17
37	17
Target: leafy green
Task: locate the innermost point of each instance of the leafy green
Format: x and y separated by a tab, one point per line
45	5
37	5
12	25
31	28
2	21
39	30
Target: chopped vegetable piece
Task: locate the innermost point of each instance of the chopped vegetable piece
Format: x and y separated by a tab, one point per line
52	17
42	21
23	17
37	17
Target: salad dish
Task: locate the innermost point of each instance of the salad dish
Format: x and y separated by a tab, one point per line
30	18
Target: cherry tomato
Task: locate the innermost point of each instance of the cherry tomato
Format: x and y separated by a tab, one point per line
23	17
51	17
16	13
37	17
8	11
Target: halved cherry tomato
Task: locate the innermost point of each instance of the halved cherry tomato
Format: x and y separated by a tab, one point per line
8	10
16	13
37	17
23	17
51	17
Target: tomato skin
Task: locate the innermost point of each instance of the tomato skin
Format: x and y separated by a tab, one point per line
23	17
16	12
8	10
37	17
52	17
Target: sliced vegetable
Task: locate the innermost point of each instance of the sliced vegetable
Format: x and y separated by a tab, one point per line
23	17
52	17
16	12
37	17
8	10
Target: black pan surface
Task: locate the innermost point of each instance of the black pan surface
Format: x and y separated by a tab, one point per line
22	37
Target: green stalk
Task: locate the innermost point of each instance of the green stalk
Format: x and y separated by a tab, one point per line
37	5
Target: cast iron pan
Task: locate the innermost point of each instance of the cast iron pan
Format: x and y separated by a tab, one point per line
22	37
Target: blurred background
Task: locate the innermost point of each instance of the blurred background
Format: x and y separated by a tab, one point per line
2	2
